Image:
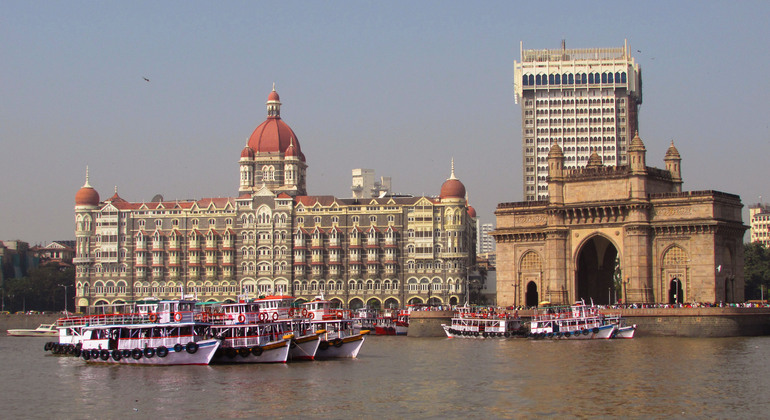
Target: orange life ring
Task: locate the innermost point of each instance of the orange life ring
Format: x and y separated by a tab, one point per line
153	317
304	312
263	316
241	318
275	316
311	315
178	316
291	312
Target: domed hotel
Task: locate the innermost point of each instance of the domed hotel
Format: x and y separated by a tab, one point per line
274	238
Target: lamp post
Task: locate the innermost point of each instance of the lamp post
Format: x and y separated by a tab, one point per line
65	297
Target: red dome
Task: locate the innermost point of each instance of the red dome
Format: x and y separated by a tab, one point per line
292	151
471	212
87	196
452	188
274	135
247	152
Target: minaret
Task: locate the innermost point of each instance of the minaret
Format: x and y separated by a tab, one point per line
556	174
673	166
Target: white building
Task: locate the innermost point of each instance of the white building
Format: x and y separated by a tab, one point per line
364	185
759	215
586	100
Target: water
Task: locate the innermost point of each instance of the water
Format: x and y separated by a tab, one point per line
401	377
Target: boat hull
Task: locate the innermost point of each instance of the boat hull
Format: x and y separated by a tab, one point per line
202	356
602	332
345	348
275	352
304	348
625	332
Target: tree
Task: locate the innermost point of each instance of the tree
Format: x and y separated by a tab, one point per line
756	269
41	290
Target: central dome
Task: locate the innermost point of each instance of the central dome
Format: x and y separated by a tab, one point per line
274	135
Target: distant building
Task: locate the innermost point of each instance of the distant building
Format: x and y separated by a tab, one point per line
365	186
585	100
274	238
759	215
486	241
60	253
15	260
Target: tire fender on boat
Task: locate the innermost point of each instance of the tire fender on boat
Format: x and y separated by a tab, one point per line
136	354
257	350
149	352
162	351
178	347
192	347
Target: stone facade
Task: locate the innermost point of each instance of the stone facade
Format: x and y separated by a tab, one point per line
626	233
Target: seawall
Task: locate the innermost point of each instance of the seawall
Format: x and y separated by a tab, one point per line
661	322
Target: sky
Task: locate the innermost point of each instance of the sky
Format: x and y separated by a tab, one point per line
401	87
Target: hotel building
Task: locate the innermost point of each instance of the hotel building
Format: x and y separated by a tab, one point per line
274	238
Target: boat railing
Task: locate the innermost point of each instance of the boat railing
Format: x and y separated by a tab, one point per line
104	319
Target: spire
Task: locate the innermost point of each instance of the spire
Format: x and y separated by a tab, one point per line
87	185
452	176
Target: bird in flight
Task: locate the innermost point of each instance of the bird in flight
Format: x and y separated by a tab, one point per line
145	79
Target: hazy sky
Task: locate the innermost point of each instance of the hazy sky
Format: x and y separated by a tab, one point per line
398	87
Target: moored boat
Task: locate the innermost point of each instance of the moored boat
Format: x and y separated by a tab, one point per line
247	337
43	330
482	323
576	322
338	338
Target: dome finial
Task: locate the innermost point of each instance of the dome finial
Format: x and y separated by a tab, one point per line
116	190
273	86
87	185
452	176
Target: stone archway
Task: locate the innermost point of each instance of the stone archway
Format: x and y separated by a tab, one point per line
531	299
594	276
355	303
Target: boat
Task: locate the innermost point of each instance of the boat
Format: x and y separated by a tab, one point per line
293	321
43	330
621	329
365	318
575	322
172	336
393	322
471	322
338	337
248	337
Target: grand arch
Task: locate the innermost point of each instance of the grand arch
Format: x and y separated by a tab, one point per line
596	271
625	233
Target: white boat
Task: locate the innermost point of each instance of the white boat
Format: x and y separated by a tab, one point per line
170	336
576	322
482	323
338	339
364	319
148	344
626	331
246	339
44	330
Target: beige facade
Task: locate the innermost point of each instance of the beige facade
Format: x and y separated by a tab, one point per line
759	215
620	233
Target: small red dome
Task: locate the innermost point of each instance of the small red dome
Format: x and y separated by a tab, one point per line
86	196
452	188
471	212
247	152
273	96
291	151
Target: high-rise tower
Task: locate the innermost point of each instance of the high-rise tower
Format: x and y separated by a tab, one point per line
585	100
